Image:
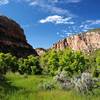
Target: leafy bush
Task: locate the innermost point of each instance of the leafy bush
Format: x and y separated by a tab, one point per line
95	63
29	65
98	62
63	80
8	62
46	86
50	62
84	83
72	62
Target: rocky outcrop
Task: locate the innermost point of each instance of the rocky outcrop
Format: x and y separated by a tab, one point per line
86	42
12	38
40	51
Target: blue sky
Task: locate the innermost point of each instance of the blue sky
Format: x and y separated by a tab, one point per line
47	21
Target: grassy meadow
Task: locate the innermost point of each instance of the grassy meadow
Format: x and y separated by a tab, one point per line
18	87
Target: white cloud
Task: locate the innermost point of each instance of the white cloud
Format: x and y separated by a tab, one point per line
57	33
88	24
33	3
65	1
58	10
85	30
57	20
4	2
93	22
62	36
47	6
53	1
50	6
73	1
83	26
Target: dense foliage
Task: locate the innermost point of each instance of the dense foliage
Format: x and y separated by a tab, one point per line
52	63
8	62
57	61
29	65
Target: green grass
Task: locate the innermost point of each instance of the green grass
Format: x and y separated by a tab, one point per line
17	87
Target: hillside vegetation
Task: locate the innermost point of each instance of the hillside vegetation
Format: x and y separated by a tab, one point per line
32	78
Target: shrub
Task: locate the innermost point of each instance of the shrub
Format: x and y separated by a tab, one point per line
50	62
46	86
8	63
29	65
63	80
72	62
84	83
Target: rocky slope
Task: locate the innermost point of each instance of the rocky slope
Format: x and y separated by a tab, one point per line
86	42
12	38
40	51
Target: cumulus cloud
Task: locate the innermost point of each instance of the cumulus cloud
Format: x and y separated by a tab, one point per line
4	2
56	19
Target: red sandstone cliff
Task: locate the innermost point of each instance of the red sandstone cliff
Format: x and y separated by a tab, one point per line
88	41
12	38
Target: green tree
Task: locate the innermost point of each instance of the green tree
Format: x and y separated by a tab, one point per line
73	62
98	61
50	62
8	63
29	65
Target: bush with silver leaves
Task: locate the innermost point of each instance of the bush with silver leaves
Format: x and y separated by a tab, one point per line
46	85
84	83
63	80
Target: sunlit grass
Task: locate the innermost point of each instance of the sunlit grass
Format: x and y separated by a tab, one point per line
26	88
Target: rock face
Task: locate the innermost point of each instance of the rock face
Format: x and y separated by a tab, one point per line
86	42
12	38
40	51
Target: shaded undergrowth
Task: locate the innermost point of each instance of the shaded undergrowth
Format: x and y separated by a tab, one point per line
7	88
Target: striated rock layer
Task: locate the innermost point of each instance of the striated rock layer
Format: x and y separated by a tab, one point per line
12	38
86	42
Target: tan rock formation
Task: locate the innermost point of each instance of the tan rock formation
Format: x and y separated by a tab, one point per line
88	41
40	51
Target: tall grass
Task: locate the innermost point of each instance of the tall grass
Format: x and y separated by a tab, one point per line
17	87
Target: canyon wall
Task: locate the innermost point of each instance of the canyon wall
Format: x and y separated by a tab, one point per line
12	38
86	42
